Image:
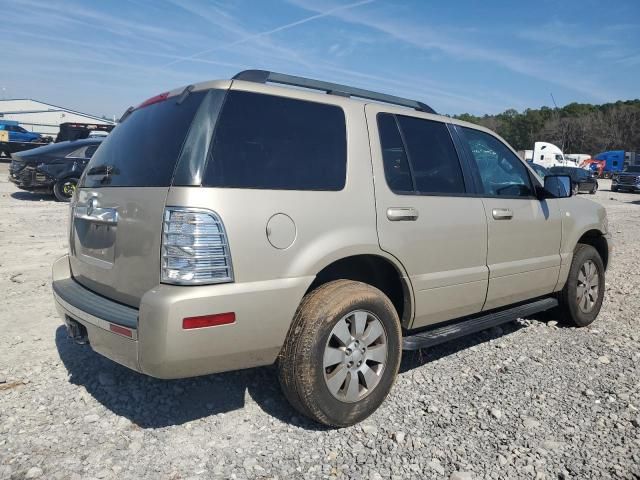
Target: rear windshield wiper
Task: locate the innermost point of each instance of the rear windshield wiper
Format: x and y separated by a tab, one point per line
107	171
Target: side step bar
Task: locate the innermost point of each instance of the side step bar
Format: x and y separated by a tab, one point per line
459	329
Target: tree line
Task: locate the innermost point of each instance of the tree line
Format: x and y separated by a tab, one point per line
575	128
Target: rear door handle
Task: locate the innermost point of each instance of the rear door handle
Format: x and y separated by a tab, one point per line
502	213
399	214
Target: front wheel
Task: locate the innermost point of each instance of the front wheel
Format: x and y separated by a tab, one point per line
582	295
64	189
342	353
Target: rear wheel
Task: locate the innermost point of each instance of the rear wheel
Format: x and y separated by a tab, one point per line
576	189
64	189
342	353
582	295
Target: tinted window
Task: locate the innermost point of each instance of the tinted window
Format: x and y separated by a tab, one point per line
433	158
265	141
501	172
394	157
91	149
142	151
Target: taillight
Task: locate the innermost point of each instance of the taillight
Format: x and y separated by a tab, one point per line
150	101
195	249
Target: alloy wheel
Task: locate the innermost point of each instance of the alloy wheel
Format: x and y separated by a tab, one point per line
355	356
588	286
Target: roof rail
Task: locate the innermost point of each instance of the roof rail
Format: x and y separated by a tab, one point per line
265	76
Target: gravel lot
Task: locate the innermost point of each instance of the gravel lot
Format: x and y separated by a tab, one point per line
529	400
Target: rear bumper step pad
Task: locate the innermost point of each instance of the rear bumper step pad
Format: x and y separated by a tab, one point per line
74	294
462	328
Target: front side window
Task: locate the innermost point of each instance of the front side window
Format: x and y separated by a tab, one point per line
501	171
270	142
419	155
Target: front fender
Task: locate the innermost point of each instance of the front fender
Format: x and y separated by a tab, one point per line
579	217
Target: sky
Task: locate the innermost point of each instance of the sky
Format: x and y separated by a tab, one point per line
480	57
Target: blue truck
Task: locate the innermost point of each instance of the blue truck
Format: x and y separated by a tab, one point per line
17	139
616	160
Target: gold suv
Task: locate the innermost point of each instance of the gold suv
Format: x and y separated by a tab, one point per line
271	218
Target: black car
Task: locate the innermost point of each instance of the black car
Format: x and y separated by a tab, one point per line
539	169
53	168
627	180
581	179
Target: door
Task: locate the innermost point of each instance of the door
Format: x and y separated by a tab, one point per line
524	233
425	215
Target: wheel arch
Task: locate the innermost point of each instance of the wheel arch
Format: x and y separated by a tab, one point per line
376	269
597	240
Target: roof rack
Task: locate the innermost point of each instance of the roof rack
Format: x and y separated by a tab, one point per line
264	76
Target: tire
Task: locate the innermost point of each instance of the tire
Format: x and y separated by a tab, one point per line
614	189
576	189
64	189
314	360
593	190
575	309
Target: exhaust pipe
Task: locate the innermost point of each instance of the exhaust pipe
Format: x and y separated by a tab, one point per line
77	332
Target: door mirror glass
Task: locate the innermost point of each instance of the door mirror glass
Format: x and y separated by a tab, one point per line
557	186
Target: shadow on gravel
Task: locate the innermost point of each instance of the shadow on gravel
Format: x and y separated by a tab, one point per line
153	403
33	197
414	359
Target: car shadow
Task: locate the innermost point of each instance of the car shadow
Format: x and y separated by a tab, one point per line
33	197
417	358
152	403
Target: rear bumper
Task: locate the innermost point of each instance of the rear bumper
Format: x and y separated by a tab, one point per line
158	345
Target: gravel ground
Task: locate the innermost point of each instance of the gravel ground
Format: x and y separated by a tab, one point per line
529	400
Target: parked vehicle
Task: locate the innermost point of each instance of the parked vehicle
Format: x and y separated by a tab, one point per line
79	131
581	180
548	155
617	160
18	133
53	168
577	158
627	180
596	166
539	169
310	227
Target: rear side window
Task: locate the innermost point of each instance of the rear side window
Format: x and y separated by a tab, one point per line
143	150
419	156
270	142
394	157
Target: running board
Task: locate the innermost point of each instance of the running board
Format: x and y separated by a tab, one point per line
439	335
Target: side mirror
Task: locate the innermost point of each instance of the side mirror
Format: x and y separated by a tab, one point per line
557	186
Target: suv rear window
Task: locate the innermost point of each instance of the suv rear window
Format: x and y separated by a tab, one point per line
143	150
270	142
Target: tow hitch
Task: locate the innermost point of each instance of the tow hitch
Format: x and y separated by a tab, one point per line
76	331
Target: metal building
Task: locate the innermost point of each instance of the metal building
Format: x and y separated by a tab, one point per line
42	117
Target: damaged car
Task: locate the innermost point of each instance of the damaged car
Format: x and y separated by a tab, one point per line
53	169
